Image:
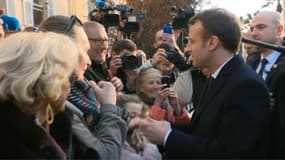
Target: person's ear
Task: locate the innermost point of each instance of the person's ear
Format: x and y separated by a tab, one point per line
213	43
280	29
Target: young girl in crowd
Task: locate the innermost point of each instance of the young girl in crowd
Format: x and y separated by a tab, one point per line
162	100
136	146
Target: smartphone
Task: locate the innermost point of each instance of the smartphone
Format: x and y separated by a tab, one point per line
165	80
167	29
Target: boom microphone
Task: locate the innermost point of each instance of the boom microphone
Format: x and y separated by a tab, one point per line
264	44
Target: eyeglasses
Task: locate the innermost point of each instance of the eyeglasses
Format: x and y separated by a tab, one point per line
73	21
98	40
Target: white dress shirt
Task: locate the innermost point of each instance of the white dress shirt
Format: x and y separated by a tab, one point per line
271	58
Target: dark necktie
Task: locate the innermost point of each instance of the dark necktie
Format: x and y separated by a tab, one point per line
264	61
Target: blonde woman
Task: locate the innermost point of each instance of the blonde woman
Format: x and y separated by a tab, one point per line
34	84
161	99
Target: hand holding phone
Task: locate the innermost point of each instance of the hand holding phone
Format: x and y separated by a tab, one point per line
165	80
167	29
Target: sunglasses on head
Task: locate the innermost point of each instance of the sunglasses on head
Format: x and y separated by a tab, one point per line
73	21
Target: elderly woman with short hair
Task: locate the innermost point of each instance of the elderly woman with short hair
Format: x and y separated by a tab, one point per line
34	84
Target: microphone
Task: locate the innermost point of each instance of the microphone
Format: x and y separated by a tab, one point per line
264	44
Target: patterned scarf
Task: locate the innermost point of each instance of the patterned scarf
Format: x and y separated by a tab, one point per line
83	97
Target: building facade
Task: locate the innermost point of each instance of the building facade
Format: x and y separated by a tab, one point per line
33	12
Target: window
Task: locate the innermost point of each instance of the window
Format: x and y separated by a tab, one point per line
2	4
38	12
28	12
35	11
50	8
10	9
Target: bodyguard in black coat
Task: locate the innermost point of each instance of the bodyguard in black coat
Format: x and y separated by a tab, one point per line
273	74
231	119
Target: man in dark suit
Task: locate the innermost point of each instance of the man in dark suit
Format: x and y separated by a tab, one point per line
232	117
267	26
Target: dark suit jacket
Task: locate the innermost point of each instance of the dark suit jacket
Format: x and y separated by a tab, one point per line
276	83
199	81
232	120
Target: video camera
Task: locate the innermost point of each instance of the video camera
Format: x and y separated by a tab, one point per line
102	15
182	17
131	25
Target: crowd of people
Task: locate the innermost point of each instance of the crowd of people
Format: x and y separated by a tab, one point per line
65	93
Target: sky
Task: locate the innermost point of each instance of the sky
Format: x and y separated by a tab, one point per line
242	7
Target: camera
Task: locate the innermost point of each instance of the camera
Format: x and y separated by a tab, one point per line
182	17
115	16
173	55
101	13
130	61
131	27
102	16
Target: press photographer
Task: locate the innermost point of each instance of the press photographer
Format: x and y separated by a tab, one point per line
179	23
159	58
173	56
181	17
124	63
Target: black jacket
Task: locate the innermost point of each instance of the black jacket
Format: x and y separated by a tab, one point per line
21	137
198	80
97	72
230	121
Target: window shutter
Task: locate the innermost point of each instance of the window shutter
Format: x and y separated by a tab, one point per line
10	7
28	12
